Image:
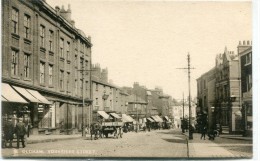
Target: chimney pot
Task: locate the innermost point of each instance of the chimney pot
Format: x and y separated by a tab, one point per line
57	8
244	42
248	42
69	10
239	42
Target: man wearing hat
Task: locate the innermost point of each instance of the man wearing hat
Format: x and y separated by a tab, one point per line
20	132
9	131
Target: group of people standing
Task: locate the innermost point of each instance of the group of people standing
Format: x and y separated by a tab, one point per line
10	131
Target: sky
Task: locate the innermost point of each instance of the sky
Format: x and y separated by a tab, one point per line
146	41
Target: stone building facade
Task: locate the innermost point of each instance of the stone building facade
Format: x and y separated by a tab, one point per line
227	91
42	55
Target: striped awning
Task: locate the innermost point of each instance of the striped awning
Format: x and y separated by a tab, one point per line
103	114
37	95
26	94
10	95
151	120
115	115
166	117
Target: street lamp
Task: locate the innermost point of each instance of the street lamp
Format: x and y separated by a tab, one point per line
231	99
212	117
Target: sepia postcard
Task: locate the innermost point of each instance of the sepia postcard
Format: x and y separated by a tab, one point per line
139	79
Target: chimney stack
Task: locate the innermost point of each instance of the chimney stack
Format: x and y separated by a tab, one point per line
243	46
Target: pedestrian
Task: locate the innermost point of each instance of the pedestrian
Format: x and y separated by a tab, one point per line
20	132
203	132
9	132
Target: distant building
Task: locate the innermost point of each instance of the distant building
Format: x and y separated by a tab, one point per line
206	95
42	55
245	59
105	95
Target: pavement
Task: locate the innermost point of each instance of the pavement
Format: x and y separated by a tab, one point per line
236	137
200	148
32	139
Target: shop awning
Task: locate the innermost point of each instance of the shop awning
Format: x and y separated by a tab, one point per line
26	94
115	115
155	119
10	94
103	114
166	117
126	118
151	120
37	95
129	117
4	100
159	118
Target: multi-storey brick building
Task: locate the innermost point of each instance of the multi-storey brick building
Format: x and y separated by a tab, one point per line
42	55
106	96
245	59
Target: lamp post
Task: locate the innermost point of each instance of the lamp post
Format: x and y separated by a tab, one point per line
231	99
213	117
83	100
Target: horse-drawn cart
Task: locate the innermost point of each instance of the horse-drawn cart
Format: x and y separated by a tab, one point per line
114	128
105	124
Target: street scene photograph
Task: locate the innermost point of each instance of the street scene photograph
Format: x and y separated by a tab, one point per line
141	79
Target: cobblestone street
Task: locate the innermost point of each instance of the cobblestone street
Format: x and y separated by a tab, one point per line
163	143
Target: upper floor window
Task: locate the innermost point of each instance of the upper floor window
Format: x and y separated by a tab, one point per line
42	36
61	47
96	87
96	101
42	72
26	65
68	50
27	22
81	63
61	79
76	61
50	74
76	86
248	82
14	63
68	82
15	13
248	59
51	40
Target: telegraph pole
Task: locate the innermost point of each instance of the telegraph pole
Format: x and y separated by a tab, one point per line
183	130
83	101
189	125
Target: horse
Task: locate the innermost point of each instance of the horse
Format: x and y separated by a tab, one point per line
96	130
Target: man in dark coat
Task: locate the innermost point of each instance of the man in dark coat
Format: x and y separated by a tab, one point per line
20	132
9	131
